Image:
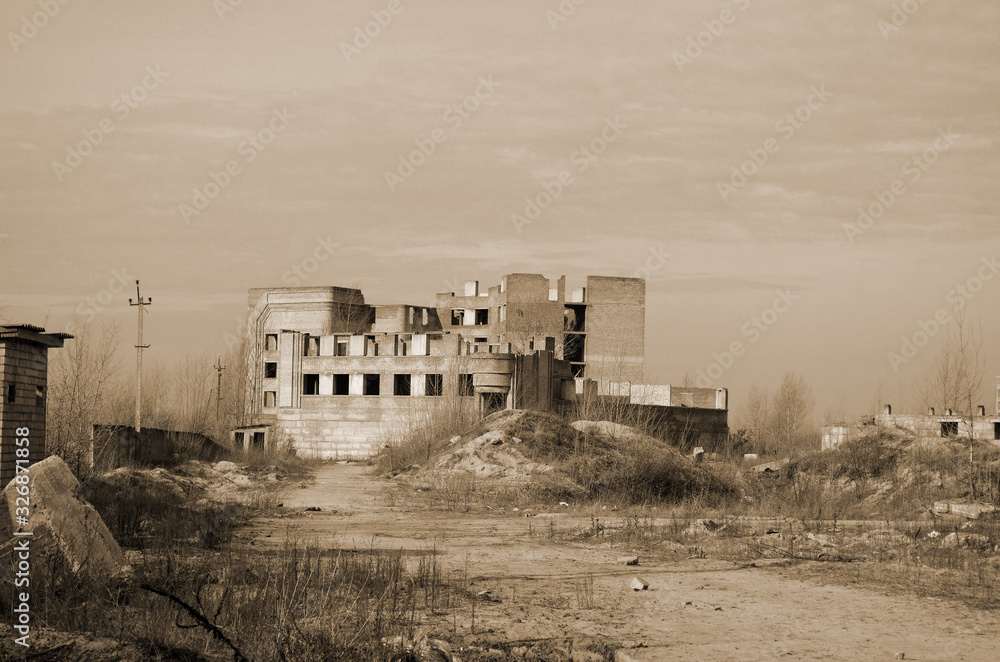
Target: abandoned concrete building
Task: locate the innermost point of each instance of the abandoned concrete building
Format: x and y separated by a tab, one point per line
926	428
24	353
334	376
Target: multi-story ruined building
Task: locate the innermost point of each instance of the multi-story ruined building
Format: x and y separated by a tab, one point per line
24	376
336	375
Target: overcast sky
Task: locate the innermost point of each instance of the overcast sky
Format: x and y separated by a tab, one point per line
117	116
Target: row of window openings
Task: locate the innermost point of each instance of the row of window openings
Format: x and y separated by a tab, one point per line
481	316
371	385
574	317
310	346
950	429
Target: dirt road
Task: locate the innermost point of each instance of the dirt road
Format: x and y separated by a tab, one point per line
695	609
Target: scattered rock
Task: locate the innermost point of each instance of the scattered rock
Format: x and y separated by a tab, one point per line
628	560
313	509
639	584
225	466
698	454
705	526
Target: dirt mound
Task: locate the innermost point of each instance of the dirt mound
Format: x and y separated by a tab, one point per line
595	459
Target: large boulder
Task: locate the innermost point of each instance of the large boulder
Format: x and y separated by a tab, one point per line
61	520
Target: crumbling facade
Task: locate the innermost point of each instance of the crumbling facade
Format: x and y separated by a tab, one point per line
926	428
336	376
24	376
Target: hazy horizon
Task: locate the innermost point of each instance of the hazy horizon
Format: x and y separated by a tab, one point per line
409	158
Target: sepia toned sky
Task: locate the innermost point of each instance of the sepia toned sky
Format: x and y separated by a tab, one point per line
628	122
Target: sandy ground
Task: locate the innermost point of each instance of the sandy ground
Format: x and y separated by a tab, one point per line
695	609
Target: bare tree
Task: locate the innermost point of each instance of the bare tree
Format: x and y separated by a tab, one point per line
967	348
791	412
754	417
81	380
192	390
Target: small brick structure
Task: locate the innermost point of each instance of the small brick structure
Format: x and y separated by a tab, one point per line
23	375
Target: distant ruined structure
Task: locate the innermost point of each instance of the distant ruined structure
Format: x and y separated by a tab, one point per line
927	428
24	351
335	375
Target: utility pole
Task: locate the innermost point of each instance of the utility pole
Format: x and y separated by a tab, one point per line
141	303
218	389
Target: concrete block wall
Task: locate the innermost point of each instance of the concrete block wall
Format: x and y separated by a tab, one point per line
616	328
23	366
359	425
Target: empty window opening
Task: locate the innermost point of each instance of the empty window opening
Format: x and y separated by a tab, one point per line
239	439
310	345
401	385
270	398
310	384
457	317
573	347
270	370
341	384
39	396
996	430
434	385
343	346
370	385
423	317
481	339
258	440
493	402
465	385
482	316
11	394
575	318
949	428
271	342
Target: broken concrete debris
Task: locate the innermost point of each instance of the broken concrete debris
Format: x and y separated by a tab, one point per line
639	584
62	521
